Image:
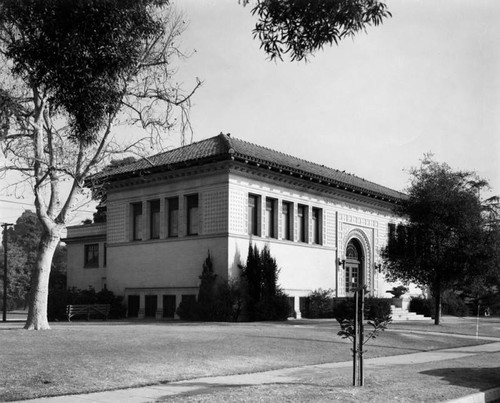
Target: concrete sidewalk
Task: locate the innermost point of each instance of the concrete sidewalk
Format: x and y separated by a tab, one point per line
208	385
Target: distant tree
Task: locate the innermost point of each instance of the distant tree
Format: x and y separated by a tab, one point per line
301	27
24	238
18	276
69	72
445	240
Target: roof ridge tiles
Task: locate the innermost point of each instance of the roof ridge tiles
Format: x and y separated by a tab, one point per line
227	147
323	166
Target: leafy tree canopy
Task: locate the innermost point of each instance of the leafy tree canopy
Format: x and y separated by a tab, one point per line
78	58
448	234
301	27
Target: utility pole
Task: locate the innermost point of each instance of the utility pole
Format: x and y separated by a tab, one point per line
4	316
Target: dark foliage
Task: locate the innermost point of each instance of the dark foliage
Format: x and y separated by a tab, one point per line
301	27
321	304
421	306
377	308
227	302
60	298
448	239
252	274
273	307
78	51
207	285
189	309
318	305
216	302
264	299
451	304
224	306
23	239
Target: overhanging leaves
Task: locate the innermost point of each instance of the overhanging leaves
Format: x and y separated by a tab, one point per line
300	27
78	52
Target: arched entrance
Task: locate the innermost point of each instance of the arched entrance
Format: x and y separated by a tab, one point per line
354	271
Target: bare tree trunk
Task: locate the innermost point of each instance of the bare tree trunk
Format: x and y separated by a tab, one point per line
437	302
39	292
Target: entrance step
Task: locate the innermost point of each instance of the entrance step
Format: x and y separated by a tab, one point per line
399	314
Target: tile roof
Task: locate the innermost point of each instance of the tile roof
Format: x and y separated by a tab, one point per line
225	147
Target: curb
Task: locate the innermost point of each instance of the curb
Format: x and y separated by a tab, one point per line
488	395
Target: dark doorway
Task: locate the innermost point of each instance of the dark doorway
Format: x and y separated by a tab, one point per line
354	276
151	304
291	307
169	306
133	306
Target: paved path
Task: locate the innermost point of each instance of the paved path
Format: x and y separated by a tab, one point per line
287	375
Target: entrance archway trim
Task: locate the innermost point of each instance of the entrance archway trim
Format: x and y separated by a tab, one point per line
363	240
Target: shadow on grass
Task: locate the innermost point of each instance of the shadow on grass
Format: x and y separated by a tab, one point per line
208	388
339	341
477	378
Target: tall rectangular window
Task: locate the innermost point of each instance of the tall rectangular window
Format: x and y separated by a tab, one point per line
154	219
137	221
302	223
105	257
286	218
253	215
192	215
316	225
91	255
270	218
173	217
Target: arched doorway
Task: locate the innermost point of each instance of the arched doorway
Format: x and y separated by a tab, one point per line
354	273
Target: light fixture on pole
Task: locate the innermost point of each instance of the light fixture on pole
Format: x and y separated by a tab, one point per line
4	315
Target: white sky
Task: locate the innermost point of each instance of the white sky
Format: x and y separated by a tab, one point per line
424	81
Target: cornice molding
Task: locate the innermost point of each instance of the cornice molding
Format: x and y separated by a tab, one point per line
289	179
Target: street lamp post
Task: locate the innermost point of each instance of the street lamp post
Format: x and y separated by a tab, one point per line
4	315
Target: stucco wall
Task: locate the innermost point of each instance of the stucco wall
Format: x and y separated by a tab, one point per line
213	206
303	268
78	275
176	263
304	265
164	264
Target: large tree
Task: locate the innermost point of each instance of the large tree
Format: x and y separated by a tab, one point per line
298	28
69	72
448	234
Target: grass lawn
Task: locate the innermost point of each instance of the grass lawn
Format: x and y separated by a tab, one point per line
430	382
83	357
485	326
